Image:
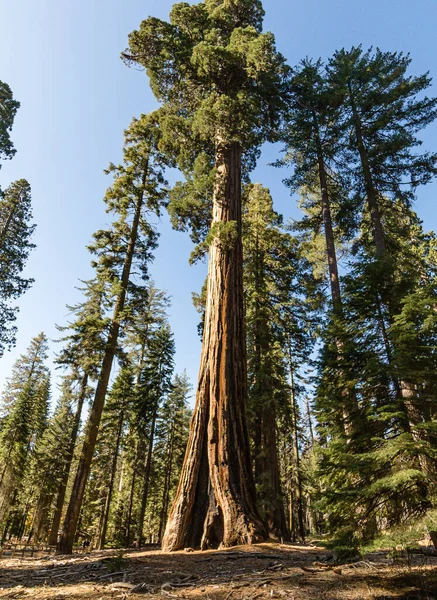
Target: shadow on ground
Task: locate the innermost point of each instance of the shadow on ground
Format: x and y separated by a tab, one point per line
243	573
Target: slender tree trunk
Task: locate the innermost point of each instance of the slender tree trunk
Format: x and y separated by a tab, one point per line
300	517
65	545
372	196
104	524
21	528
327	224
147	470
263	428
166	490
40	516
350	403
6	530
56	521
310	421
215	501
274	505
288	473
131	499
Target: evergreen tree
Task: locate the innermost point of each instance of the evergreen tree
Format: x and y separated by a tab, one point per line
25	405
127	245
133	411
172	435
15	234
382	113
220	80
269	282
316	146
155	383
84	344
50	461
120	401
8	110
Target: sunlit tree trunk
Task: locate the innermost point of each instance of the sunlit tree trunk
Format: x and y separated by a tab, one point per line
215	500
65	545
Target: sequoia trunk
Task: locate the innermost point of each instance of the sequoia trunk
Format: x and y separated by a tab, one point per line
215	500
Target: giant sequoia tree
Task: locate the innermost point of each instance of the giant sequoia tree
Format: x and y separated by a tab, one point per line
219	78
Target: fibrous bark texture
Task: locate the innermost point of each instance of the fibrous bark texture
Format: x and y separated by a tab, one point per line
215	500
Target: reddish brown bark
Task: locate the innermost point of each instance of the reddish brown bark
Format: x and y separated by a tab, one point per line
215	500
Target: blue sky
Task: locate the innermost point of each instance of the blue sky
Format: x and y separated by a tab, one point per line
61	59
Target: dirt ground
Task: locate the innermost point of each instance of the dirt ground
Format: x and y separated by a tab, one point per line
295	572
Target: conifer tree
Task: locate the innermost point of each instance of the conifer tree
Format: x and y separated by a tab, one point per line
269	265
127	244
84	344
16	231
316	148
132	408
50	461
155	383
382	113
8	110
172	435
24	411
219	78
120	401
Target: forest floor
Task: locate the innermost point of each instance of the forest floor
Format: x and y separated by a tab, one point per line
294	572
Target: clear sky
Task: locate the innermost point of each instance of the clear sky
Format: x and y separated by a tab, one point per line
61	59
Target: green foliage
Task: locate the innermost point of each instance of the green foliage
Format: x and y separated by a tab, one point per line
8	110
224	234
85	336
16	231
114	564
24	414
391	110
358	118
139	180
220	81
